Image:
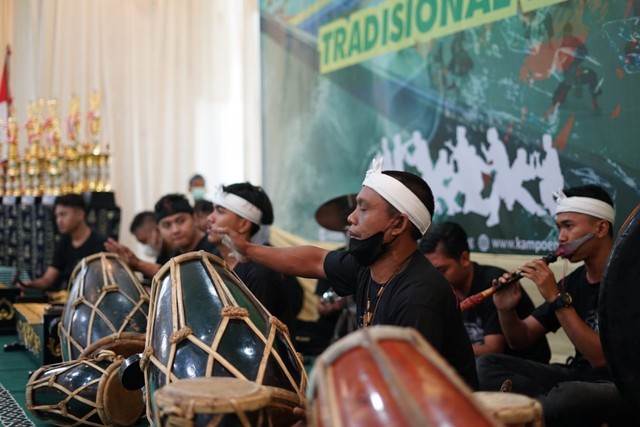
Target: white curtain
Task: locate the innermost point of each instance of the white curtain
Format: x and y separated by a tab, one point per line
179	83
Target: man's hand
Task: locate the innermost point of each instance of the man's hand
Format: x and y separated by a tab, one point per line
125	253
507	298
538	272
235	242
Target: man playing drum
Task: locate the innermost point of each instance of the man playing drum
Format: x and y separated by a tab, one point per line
177	226
571	303
244	208
393	283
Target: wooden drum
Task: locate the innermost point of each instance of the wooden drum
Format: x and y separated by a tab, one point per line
211	402
204	322
388	375
106	309
513	409
83	392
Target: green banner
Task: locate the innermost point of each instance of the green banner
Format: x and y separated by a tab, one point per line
496	104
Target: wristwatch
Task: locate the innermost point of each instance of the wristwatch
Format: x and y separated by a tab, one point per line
563	300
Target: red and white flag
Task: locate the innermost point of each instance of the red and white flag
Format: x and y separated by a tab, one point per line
5	92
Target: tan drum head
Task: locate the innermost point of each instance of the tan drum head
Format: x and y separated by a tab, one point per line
511	408
212	395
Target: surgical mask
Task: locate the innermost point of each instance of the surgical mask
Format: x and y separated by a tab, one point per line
198	193
150	251
367	251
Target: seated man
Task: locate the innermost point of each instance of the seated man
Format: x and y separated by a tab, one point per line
145	229
177	226
244	208
201	211
393	283
571	304
77	241
446	246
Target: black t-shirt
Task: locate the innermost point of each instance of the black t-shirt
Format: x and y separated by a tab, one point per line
483	320
418	296
66	257
585	302
273	290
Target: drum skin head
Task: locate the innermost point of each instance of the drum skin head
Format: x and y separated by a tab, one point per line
619	311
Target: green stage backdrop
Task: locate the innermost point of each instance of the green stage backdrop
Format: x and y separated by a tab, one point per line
496	104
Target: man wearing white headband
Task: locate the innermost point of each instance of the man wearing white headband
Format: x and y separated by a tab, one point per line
245	209
566	390
392	282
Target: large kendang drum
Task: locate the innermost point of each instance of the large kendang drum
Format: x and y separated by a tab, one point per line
389	375
204	322
619	316
106	309
83	392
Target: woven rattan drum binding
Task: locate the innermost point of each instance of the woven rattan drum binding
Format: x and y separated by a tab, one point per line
106	309
83	392
203	321
388	375
211	402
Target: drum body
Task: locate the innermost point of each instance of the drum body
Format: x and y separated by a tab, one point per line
212	401
204	322
83	392
514	410
388	375
106	309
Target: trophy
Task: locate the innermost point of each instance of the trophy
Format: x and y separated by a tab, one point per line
91	150
74	183
33	159
55	174
13	184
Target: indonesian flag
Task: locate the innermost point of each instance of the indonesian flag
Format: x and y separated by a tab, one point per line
5	93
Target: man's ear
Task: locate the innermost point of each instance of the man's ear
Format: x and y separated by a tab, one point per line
244	226
401	224
603	228
465	258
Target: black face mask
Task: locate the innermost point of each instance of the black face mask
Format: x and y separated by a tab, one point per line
366	251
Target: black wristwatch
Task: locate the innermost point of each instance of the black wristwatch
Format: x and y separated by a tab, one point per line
563	300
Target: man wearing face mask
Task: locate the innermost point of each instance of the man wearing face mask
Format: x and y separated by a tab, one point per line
197	187
145	229
392	282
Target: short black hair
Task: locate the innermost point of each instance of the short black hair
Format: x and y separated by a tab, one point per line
203	206
256	196
420	188
452	236
71	201
140	219
172	204
195	177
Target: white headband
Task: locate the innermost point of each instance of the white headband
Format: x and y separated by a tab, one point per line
394	192
239	206
584	205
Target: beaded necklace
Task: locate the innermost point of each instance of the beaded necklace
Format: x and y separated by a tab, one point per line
367	317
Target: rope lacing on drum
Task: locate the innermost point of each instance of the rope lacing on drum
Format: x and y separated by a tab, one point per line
235	312
108	355
62	406
146	355
279	325
111	288
180	334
